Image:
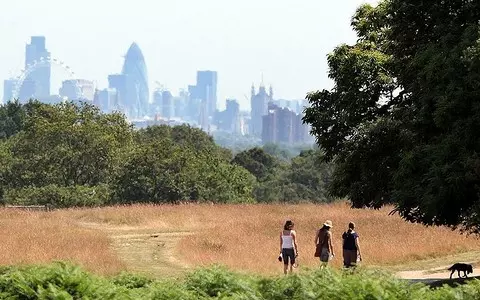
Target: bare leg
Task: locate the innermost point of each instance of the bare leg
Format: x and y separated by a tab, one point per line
285	269
291	269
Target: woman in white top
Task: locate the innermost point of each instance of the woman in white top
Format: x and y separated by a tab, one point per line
288	246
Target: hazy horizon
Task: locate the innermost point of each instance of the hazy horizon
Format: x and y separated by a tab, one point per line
240	40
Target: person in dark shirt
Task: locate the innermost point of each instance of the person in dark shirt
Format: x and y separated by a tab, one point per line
351	247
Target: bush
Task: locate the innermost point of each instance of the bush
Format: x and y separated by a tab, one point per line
64	281
219	282
58	281
59	196
132	281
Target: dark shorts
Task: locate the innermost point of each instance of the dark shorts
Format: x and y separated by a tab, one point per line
349	258
325	255
288	254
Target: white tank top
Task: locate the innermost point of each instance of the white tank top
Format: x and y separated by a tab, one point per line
287	241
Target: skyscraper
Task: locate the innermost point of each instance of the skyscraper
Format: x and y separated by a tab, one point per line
105	99
137	94
36	54
206	90
166	109
229	119
259	105
119	82
283	125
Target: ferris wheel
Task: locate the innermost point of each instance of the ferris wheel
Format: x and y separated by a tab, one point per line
45	62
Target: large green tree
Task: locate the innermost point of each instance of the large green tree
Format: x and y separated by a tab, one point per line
66	144
402	121
257	162
162	171
13	116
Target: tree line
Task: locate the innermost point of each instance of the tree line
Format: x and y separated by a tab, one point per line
71	154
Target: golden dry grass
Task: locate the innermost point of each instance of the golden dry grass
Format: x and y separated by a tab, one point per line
40	237
247	237
243	237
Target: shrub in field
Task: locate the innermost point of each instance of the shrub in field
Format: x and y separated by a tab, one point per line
132	281
57	281
218	282
64	281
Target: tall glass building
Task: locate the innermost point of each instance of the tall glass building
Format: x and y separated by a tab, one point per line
37	54
135	71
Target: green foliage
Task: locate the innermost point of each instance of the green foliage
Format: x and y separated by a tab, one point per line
64	281
58	281
66	145
402	120
236	142
257	162
218	282
59	196
171	166
287	152
304	178
13	116
132	281
74	155
71	154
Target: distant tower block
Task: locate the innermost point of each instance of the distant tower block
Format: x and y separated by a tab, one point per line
136	93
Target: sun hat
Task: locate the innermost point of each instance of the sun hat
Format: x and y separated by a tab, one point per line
328	223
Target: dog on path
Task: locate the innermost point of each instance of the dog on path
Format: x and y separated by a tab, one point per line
459	267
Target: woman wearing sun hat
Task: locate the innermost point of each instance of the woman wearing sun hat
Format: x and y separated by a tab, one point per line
323	242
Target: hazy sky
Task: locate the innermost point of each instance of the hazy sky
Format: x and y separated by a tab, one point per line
285	40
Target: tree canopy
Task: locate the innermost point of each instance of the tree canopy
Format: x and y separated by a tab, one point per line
402	122
71	154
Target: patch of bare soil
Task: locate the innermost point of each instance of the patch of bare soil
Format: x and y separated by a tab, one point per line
145	250
437	269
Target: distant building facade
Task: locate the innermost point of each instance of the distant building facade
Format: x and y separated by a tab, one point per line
204	94
125	92
166	108
37	54
282	125
135	91
8	89
259	105
106	99
78	89
230	120
207	90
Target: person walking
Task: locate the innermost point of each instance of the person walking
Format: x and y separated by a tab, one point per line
288	246
351	247
323	242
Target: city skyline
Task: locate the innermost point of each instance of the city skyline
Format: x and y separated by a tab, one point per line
239	40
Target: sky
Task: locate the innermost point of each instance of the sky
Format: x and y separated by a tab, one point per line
286	41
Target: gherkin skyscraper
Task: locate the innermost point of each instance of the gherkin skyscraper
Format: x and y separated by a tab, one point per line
136	77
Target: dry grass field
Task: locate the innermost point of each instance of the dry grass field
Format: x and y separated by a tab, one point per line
41	237
243	237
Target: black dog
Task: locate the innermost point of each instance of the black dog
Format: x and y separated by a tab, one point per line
465	268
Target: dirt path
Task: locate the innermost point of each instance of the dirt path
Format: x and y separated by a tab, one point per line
437	268
146	250
438	273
